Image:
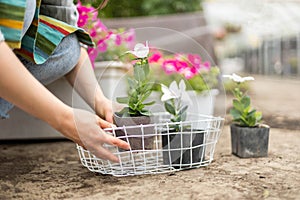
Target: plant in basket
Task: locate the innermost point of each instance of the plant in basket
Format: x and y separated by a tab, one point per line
135	113
182	145
249	138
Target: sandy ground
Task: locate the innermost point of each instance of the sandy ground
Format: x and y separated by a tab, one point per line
51	169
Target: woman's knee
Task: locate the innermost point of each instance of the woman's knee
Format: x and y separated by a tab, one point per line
62	61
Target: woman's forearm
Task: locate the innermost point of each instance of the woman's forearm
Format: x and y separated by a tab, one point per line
83	79
19	87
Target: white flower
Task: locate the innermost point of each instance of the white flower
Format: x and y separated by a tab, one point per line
239	79
140	50
174	92
168	93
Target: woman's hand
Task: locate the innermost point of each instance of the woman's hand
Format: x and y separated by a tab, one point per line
105	108
86	129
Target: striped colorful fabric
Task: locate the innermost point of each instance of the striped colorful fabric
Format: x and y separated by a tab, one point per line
42	37
11	21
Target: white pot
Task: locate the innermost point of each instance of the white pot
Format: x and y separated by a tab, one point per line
111	76
202	103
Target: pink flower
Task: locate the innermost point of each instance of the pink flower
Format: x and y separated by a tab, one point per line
194	59
169	66
109	34
188	73
206	65
83	14
155	57
118	39
102	46
130	35
108	41
94	13
93	32
99	25
180	65
130	38
82	20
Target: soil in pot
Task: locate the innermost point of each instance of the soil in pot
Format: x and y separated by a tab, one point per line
250	142
139	138
182	149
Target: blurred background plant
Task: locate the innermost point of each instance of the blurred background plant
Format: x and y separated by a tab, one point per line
110	44
199	75
132	8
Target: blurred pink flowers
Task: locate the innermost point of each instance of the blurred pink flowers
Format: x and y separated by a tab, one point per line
110	43
199	74
188	65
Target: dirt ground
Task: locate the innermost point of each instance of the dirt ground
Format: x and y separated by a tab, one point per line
51	169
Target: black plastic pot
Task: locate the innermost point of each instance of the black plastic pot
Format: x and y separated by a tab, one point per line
181	149
138	139
250	142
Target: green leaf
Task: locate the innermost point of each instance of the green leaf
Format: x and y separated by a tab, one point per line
237	105
146	69
133	112
145	112
236	114
124	112
148	86
123	100
170	108
149	103
252	112
144	96
243	121
251	121
139	73
132	83
258	116
245	101
177	118
183	116
183	110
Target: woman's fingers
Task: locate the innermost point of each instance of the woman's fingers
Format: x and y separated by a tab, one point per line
98	150
103	153
109	139
104	124
88	131
109	116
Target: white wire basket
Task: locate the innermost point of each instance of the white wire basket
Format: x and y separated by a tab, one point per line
158	147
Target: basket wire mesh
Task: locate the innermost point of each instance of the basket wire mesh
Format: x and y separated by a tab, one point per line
158	148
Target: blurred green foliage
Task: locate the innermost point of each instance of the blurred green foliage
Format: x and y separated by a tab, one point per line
133	8
230	85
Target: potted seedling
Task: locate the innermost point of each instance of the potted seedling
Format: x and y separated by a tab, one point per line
135	113
249	138
182	145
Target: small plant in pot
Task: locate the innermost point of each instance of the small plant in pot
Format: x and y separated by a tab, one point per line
182	145
135	114
249	138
